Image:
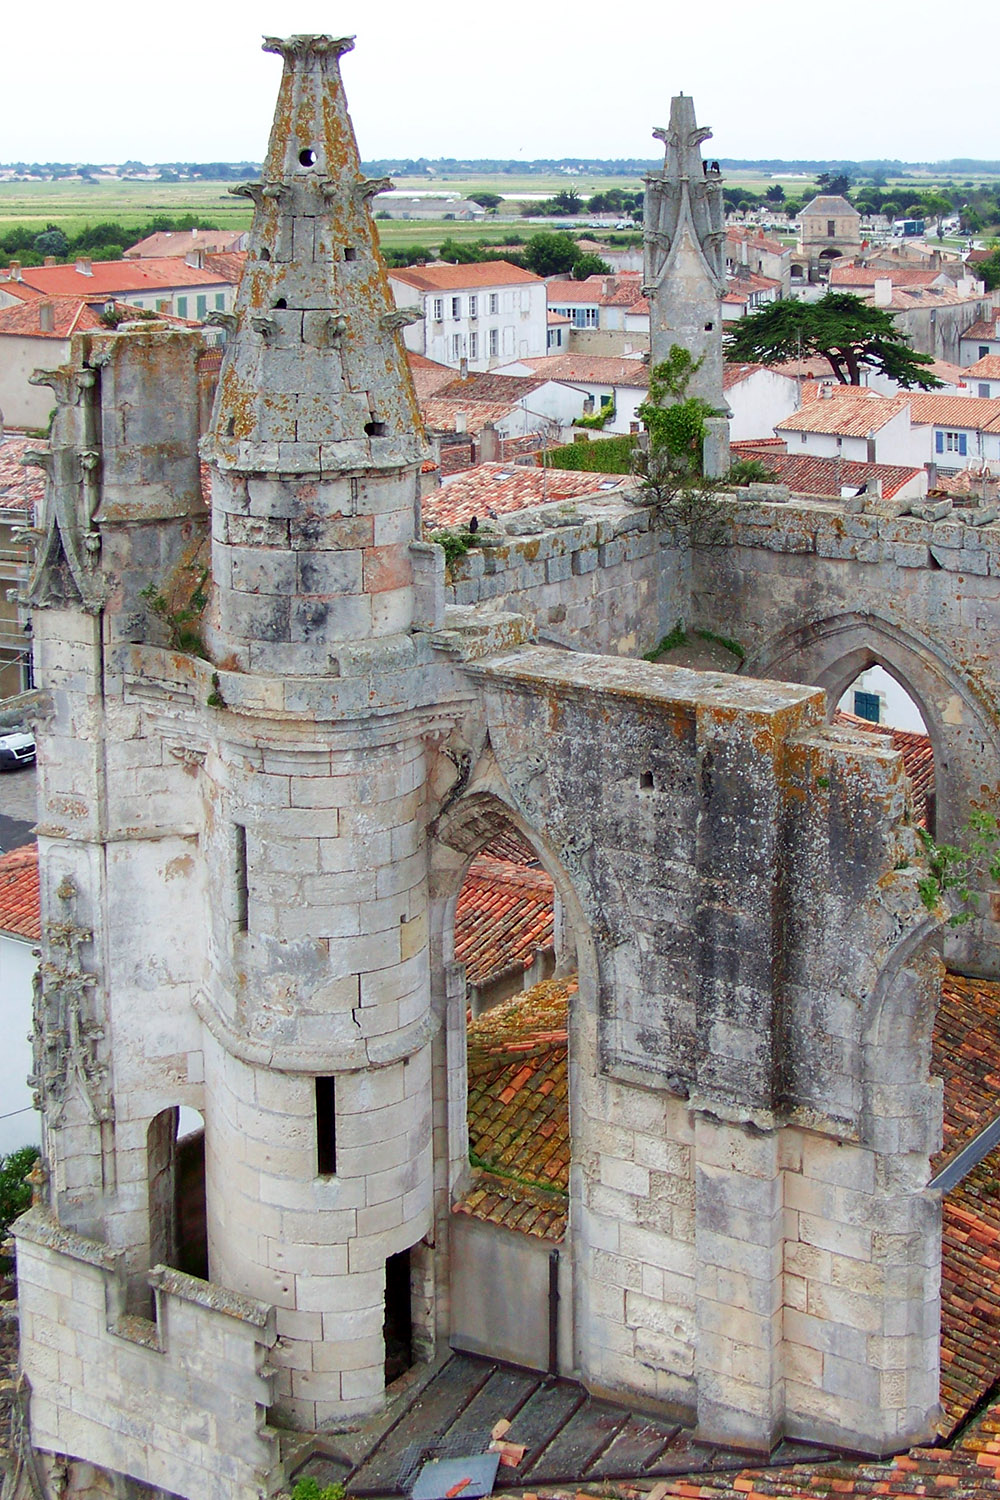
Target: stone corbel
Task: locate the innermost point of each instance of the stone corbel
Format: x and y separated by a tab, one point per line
401	317
64	386
266	327
37	458
369	187
252	190
335	328
274	190
226	320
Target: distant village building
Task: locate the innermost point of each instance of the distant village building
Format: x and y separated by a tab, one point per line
480	314
172	242
167	284
829	227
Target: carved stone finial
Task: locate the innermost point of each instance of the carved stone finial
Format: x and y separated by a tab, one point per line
302	45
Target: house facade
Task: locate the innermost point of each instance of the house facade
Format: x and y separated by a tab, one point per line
482	315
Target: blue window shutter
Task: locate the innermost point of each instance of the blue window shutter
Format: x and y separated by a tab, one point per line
961	442
939	442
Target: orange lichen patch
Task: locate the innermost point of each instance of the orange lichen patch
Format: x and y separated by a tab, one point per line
504	914
518	1089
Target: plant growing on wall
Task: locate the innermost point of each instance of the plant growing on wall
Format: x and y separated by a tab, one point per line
951	868
670	467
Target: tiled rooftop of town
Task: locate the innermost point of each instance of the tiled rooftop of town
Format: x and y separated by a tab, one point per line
22	488
498	489
504	914
854	415
19	893
808	474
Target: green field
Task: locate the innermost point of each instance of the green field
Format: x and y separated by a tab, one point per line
77	205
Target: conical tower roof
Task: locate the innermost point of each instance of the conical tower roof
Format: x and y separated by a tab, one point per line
315	378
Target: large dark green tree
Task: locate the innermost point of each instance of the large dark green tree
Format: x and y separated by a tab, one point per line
847	331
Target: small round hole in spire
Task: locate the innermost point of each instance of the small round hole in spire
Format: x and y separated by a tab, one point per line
265	253
375	429
231	427
281	302
307	158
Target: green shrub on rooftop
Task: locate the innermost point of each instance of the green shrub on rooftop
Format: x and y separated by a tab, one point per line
608	456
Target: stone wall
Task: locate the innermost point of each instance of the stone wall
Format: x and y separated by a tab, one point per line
592	575
816	594
190	1390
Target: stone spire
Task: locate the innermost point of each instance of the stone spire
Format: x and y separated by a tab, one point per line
316	439
315	377
684	259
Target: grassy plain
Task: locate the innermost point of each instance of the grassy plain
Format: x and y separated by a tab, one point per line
77	205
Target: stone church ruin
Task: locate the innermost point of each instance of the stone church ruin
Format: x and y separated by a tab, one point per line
253	842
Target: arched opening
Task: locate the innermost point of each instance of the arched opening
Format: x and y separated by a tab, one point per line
516	976
877	702
175	1154
798	272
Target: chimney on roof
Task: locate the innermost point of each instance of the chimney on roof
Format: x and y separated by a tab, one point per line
883	291
195	259
461	421
14	274
84	268
47	318
489	445
49	260
463	368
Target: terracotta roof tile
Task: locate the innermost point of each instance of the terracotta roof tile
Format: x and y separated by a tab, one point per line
806	474
591	369
987	368
986	329
442	415
928	408
109	278
504	914
173	243
19	894
21	489
519	1112
69	315
428	375
505	489
483	386
850	275
855	416
446	278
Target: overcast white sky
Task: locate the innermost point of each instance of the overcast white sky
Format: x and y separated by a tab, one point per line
103	80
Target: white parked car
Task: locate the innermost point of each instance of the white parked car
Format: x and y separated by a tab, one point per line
16	749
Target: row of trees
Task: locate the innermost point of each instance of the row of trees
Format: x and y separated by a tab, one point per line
547	253
104	241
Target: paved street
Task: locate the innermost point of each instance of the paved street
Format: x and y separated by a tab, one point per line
17	808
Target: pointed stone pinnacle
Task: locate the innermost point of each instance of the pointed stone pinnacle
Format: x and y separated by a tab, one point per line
315	377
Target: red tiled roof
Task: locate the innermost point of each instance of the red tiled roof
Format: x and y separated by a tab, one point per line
591	369
444	278
504	914
69	315
923	1473
486	387
21	489
444	416
805	474
987	368
169	242
850	416
739	233
849	275
734	374
979	412
227	264
19	894
904	298
494	487
518	1110
970	1291
428	375
984	330
966	1057
108	278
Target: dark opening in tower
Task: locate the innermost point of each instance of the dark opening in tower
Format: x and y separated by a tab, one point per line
398	1326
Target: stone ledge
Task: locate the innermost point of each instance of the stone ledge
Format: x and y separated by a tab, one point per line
214	1298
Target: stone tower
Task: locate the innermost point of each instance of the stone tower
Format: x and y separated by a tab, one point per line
685	273
318	956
